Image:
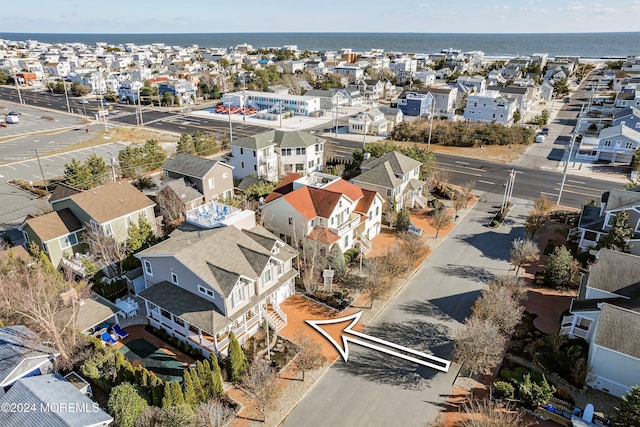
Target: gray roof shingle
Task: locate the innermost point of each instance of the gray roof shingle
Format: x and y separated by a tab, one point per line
188	165
622	199
55	391
18	343
381	175
279	138
192	308
619	330
616	272
400	164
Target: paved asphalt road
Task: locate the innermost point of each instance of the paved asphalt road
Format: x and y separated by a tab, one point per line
372	389
125	114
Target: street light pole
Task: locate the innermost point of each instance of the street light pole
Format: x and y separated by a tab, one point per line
140	107
15	80
364	134
66	95
230	127
430	122
566	167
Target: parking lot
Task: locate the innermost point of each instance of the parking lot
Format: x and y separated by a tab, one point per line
34	120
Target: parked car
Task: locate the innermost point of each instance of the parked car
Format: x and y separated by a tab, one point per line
83	101
545	131
540	138
14	113
12	119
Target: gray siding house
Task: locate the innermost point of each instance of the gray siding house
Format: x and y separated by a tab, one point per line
212	178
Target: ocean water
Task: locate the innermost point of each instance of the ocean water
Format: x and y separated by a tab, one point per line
587	45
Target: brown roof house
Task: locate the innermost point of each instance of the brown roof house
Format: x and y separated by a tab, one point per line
212	178
109	209
606	314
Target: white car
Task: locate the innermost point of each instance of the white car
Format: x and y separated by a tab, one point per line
12	119
83	101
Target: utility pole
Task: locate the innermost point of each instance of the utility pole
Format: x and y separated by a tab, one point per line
566	166
230	127
430	121
140	108
15	80
66	95
113	167
46	187
508	190
364	134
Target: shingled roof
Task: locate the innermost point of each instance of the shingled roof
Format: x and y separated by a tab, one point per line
381	175
54	224
112	200
616	272
400	164
19	346
622	199
188	165
219	256
279	138
619	330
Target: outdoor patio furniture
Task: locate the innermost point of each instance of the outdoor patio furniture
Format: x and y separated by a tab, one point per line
121	333
107	339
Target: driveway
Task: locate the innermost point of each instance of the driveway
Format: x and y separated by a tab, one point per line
376	390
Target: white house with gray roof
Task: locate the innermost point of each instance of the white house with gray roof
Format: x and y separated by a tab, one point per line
606	314
275	153
202	284
618	143
597	220
52	402
395	177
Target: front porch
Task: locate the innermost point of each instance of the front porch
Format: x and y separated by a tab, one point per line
575	326
199	322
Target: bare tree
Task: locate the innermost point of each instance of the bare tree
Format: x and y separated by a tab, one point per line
440	219
479	345
105	248
488	413
259	383
373	282
312	259
534	222
41	299
171	205
414	247
542	205
523	252
442	177
309	355
513	284
467	191
497	305
214	413
459	202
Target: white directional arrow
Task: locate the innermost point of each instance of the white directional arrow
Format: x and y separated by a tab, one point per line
374	343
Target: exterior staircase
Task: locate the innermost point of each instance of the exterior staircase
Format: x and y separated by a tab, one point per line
276	318
110	271
421	201
365	244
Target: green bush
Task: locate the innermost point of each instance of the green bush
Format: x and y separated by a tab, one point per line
504	389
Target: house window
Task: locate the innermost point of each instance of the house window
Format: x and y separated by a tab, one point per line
242	165
174	278
628	145
147	268
107	230
165	313
68	241
290	219
267	275
44	248
178	321
142	214
225	175
311	164
280	269
377	210
301	151
95	227
389	192
346	241
254	153
241	151
255	167
211	183
127	221
607	143
611	220
237	296
205	291
286	152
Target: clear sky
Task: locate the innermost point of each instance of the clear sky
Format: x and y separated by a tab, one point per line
239	16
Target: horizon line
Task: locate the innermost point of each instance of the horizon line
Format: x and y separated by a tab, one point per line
322	32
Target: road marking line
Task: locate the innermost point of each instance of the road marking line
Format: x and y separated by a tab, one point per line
37	177
486	182
577	182
9	166
577	192
461	163
181	127
550	194
466	167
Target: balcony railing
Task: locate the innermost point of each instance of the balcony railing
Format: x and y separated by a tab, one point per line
353	221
